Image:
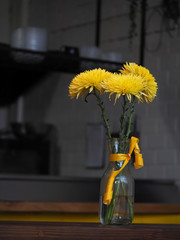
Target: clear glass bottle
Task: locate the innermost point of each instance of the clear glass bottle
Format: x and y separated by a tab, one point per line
121	208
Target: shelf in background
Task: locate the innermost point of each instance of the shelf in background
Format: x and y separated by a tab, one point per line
19	59
22	69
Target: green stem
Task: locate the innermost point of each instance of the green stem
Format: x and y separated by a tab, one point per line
129	202
101	105
131	208
130	118
122	123
110	211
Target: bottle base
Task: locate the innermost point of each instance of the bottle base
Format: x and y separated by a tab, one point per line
117	220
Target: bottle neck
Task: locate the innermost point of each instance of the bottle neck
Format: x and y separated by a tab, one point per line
118	146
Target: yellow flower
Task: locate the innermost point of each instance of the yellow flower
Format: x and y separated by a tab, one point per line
128	85
150	89
86	81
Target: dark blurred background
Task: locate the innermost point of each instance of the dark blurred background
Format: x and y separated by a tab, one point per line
44	136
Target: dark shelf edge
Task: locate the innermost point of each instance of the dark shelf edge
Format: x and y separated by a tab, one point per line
19	64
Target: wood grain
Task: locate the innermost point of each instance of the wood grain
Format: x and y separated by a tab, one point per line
83	207
78	231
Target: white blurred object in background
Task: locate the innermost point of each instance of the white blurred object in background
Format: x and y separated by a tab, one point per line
112	56
29	38
90	52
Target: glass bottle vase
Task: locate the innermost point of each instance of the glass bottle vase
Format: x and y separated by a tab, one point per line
121	208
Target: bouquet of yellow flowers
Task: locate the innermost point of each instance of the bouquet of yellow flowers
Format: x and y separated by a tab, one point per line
133	84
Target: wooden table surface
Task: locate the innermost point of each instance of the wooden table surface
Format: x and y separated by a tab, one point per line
77	231
82	207
84	212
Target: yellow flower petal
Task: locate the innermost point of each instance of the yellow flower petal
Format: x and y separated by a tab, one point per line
124	85
86	81
149	92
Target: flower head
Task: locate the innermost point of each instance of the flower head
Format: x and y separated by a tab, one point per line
86	81
128	85
150	89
